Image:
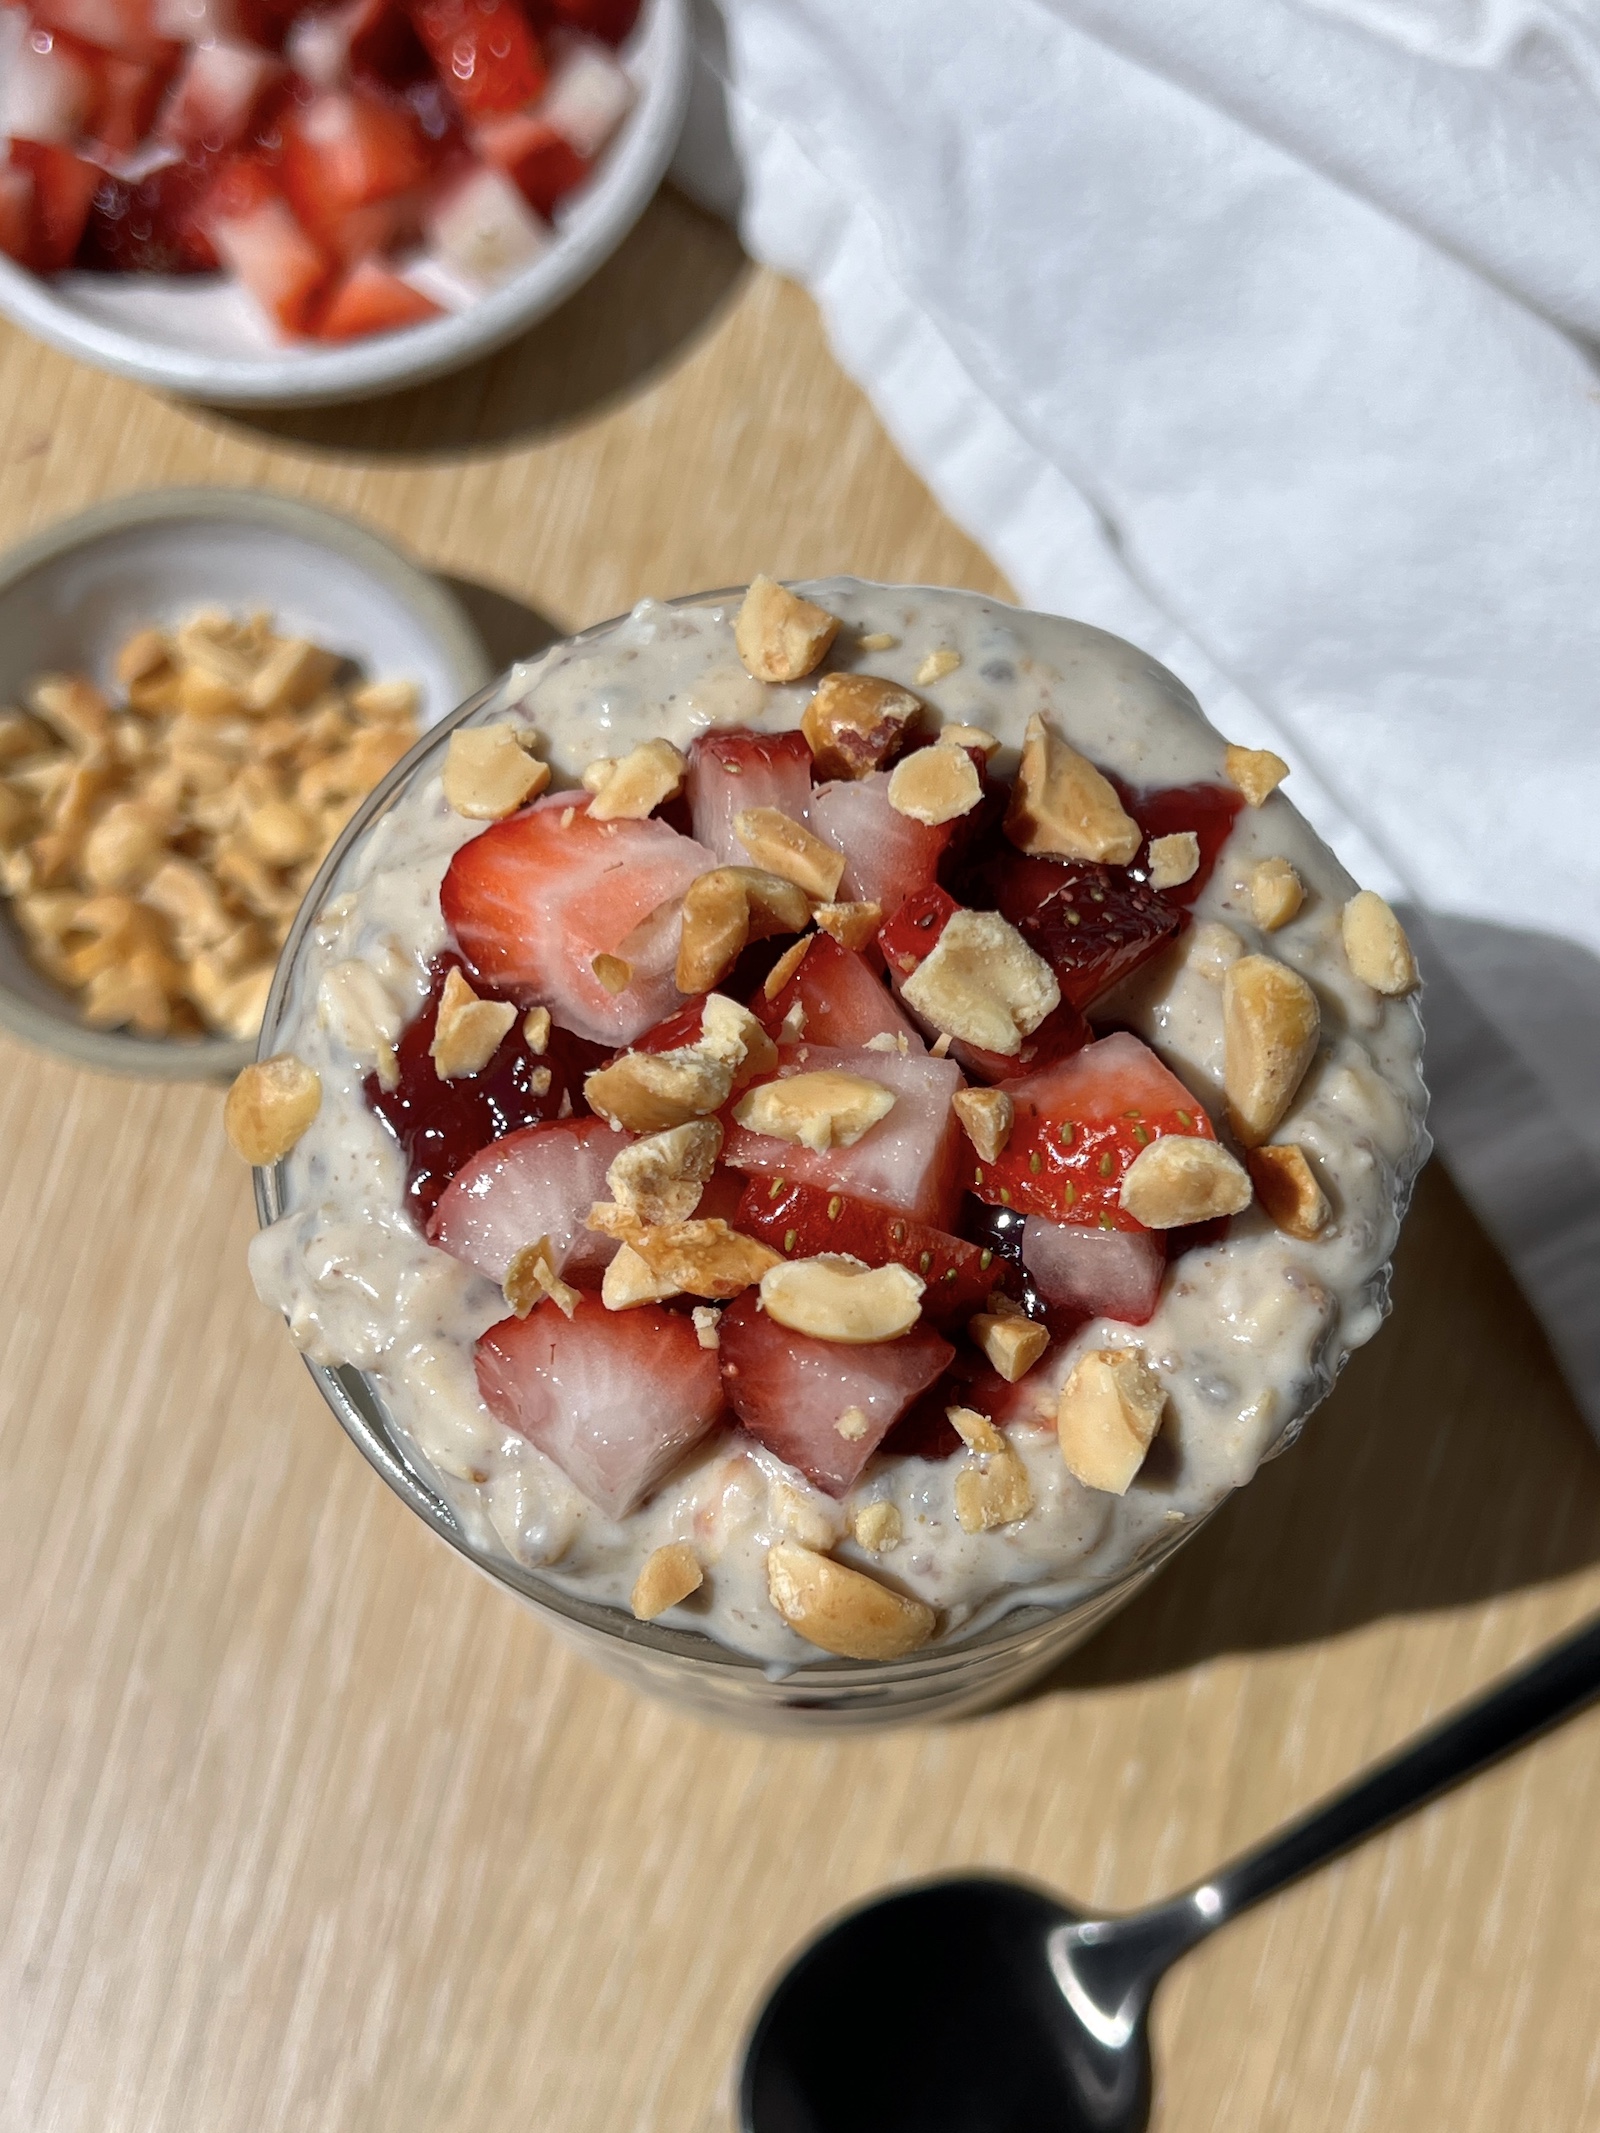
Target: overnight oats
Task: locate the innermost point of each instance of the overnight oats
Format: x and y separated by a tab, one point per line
834	1122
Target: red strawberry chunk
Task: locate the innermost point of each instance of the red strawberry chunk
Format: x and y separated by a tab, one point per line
255	233
151	226
114	25
908	1162
540	1182
610	20
844	1000
802	1220
911	933
587	98
1087	1273
484	51
790	1391
441	1124
48	83
887	855
354	168
539	162
370	41
615	1398
60	188
925	1430
1079	1127
534	899
1208	810
372	300
1094	925
735	770
215	97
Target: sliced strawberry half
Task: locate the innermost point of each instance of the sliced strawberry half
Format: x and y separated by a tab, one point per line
534	899
845	1002
615	1398
735	770
1094	925
908	1162
887	855
542	165
372	300
440	1125
215	97
802	1220
484	51
791	1392
1079	1127
1086	1272
354	170
540	1182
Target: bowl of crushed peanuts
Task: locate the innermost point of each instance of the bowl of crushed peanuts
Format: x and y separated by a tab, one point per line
197	689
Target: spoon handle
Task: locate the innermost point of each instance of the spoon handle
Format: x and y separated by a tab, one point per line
1558	1683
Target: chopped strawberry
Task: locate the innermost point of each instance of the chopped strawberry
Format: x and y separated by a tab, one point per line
910	934
1094	925
1078	1128
802	1220
60	189
887	855
1083	1272
925	1430
609	20
587	98
1208	810
484	51
372	300
480	226
615	1398
844	1001
732	771
791	1392
49	85
534	899
114	25
150	226
354	168
908	1162
368	41
255	233
441	1124
540	163
540	1182
215	97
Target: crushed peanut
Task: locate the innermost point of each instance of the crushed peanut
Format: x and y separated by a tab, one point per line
841	1610
1061	807
661	1177
1376	947
851	925
531	1276
1276	893
613	971
785	967
826	1109
856	723
1287	1188
643	1092
629	1279
981	982
877	641
976	1431
1179	1179
489	774
698	1258
937	665
992	1492
468	1031
776	842
935	785
727	908
876	1527
1257	772
978	737
269	1106
536	1030
1271	1025
707	1318
1174	859
203	803
780	636
667	1575
852	1425
639	782
837	1298
1011	1341
1106	1417
987	1116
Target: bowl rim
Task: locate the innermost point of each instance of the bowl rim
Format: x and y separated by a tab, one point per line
360	1413
442	613
320	376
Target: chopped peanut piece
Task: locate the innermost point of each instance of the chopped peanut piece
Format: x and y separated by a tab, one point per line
783	846
1061	807
629	1280
1271	1026
488	774
1107	1415
1178	1180
876	1527
698	1258
731	1034
986	1116
836	1298
706	1319
1011	1341
536	1030
852	1425
269	1107
76	709
981	982
1174	860
126	845
937	665
780	636
935	785
851	925
1257	772
785	967
645	1091
661	1177
727	908
856	723
289	677
1276	893
598	772
1287	1188
841	1610
1376	947
979	737
992	1492
468	1031
139	656
976	1431
666	1576
531	1276
804	1513
615	974
827	1109
877	641
639	782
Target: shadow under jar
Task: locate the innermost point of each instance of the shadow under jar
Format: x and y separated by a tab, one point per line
1251	1328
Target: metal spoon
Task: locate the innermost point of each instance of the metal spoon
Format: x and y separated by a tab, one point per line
982	2005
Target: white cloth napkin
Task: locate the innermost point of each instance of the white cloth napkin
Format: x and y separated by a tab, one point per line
1252	330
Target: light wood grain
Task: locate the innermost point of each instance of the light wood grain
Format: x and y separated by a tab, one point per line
302	1825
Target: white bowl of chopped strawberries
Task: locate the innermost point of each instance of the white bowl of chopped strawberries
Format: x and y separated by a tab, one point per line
829	1128
262	202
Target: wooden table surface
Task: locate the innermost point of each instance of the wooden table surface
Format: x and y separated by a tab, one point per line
302	1825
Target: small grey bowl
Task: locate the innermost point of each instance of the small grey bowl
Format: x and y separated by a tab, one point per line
71	595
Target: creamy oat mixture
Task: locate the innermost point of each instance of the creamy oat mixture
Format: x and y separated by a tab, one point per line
1247	1337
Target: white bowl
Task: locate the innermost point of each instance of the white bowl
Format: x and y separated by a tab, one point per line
200	335
70	596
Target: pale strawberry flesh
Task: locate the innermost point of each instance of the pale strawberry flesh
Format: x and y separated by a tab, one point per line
887	855
1086	1272
539	1182
733	771
841	999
